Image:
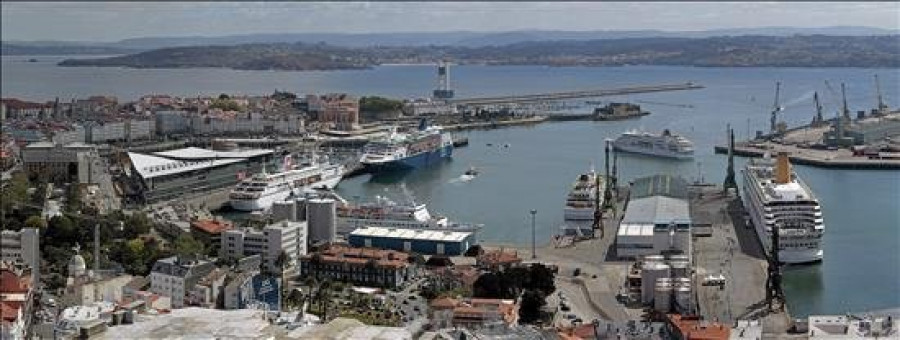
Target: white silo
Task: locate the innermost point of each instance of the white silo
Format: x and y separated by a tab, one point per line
321	216
662	301
683	299
680	268
651	272
284	210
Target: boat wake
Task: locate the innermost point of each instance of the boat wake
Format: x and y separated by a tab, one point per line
462	179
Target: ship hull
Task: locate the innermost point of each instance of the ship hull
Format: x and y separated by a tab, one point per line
787	256
265	202
420	160
653	152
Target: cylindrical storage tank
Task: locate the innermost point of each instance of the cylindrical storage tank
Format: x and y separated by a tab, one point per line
681	281
649	274
321	216
683	299
680	268
662	301
284	210
654	258
679	257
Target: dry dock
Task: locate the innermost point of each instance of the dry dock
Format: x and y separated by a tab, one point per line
734	251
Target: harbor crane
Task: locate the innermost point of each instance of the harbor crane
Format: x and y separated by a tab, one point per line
775	109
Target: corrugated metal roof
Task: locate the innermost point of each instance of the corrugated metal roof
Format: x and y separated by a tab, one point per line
413	234
193	153
664	185
657	210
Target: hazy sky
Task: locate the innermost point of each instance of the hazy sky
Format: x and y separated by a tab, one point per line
107	21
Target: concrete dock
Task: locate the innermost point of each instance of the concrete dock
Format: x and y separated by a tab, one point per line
840	159
734	251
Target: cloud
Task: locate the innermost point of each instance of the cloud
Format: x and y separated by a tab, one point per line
119	20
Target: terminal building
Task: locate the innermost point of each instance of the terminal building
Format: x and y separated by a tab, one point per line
428	242
657	219
189	171
60	162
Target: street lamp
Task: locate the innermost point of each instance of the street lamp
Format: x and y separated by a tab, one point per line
533	253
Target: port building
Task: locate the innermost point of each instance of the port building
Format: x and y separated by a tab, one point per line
657	218
429	242
173	174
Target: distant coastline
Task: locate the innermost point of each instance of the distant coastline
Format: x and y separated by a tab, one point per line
737	51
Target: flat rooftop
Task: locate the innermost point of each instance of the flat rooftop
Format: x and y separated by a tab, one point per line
412	234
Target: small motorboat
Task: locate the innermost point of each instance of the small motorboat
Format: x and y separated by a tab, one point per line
471	172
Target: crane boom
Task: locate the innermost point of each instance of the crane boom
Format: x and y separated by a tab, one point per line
773	118
882	108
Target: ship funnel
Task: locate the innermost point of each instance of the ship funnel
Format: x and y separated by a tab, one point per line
783	168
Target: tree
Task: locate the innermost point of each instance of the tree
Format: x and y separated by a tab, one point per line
487	286
530	306
281	262
62	231
36	222
541	278
187	245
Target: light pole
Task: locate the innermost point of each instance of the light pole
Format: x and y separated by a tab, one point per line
533	253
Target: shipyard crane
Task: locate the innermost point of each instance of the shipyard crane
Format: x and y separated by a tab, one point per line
818	119
775	109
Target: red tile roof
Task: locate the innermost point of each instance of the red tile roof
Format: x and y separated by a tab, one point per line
692	328
211	226
9	310
10	282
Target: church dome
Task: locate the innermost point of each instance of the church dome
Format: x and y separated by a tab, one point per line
77	266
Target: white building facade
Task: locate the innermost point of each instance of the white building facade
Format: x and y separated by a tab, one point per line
269	242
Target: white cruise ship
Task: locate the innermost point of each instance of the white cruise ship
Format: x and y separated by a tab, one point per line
775	196
389	214
581	204
663	145
261	190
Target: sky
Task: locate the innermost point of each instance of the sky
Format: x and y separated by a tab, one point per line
111	21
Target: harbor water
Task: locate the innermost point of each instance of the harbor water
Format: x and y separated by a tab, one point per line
532	167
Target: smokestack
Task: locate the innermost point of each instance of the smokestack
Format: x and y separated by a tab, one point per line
783	168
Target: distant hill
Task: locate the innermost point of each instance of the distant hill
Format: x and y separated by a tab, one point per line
452	38
296	57
737	51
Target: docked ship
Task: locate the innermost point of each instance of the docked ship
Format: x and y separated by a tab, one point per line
776	198
665	144
401	151
261	190
386	213
582	203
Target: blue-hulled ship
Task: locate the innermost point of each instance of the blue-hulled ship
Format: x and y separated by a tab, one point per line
404	151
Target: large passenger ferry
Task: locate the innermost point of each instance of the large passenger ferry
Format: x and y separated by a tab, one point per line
776	198
663	145
399	151
389	214
261	190
582	203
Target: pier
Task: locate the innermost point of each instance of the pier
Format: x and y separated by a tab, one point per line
576	94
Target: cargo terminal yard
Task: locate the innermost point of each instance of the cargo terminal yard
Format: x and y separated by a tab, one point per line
872	142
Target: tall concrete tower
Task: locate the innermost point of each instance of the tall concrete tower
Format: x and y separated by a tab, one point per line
443	90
